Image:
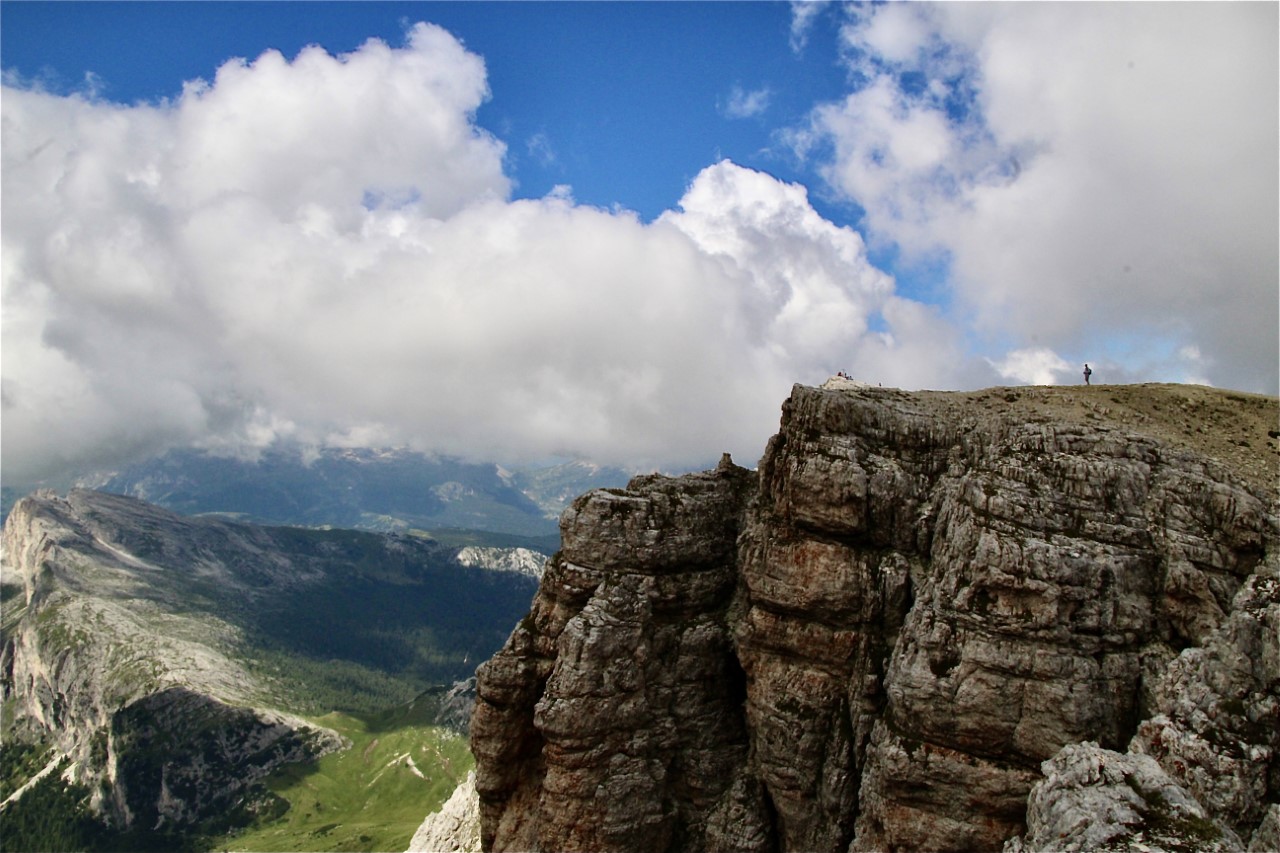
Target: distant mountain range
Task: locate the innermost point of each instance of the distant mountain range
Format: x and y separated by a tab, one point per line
366	489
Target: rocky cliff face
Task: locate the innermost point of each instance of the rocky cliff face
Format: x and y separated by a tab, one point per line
119	661
899	627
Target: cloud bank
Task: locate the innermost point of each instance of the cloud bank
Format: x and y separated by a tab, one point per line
325	250
1100	180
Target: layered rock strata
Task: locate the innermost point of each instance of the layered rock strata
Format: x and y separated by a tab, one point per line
113	659
621	685
879	639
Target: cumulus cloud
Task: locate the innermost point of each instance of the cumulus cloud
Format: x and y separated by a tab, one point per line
894	33
1033	366
1100	178
324	249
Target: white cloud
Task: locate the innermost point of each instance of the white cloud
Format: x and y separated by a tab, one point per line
254	129
814	301
323	249
1093	171
803	15
1033	366
890	154
895	32
744	104
808	285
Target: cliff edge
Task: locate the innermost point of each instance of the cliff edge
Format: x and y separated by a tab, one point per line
929	621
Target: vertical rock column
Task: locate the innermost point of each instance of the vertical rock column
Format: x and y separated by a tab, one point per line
827	556
612	719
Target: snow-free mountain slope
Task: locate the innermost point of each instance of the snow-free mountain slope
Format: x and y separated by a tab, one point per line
909	630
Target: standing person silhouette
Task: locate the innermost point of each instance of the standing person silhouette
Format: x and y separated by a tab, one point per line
1087	373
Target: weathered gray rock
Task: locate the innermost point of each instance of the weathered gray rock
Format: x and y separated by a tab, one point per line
612	719
1095	799
1266	838
1216	726
178	756
456	706
519	560
875	645
455	828
119	668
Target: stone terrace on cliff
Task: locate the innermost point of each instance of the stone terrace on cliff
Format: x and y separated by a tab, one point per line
1034	618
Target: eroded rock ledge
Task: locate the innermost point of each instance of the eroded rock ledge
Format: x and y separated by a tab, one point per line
882	639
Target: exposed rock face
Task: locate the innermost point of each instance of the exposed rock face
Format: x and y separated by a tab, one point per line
456	707
621	685
878	640
1095	799
1216	726
521	560
181	756
456	827
116	663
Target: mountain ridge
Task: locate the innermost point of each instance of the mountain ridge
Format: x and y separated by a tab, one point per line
168	659
362	488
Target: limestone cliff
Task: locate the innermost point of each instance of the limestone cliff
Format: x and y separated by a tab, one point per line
160	653
118	659
885	637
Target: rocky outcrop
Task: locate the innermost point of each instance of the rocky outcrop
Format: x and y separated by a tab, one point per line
1095	799
879	639
456	706
620	685
455	828
520	560
1216	722
182	756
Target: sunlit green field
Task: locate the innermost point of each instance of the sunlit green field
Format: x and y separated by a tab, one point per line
372	796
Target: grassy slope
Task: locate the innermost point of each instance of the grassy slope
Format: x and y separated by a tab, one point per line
1236	429
366	797
380	622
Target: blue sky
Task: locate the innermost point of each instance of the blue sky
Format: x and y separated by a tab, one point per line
626	102
613	231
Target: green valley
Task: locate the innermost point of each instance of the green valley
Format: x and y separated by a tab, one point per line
400	767
195	683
